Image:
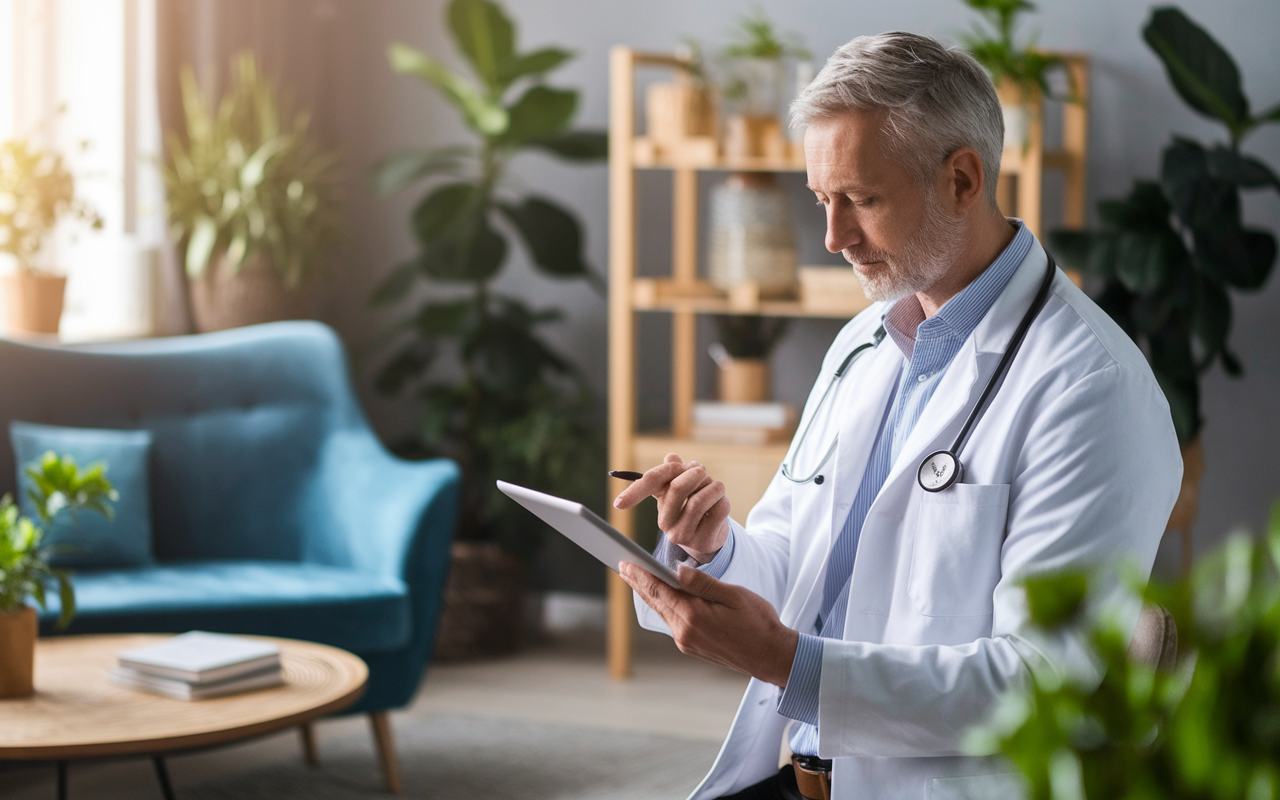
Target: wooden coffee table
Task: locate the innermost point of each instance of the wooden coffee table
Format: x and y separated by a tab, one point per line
78	713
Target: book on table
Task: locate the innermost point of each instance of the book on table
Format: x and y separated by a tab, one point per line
743	423
198	664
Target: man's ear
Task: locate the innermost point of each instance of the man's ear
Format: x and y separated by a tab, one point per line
964	179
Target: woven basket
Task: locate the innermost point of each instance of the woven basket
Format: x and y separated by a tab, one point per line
483	604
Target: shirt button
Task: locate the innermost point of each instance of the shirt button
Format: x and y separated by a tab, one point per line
921	379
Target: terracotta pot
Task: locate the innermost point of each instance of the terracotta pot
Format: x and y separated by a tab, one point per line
753	136
676	111
1185	508
17	652
483	604
744	380
34	302
221	299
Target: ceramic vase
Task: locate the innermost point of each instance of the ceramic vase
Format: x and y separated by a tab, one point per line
751	235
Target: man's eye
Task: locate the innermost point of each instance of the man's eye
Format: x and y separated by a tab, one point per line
863	203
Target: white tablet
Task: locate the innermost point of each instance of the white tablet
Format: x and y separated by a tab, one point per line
585	529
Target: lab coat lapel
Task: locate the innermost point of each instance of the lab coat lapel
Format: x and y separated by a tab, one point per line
967	376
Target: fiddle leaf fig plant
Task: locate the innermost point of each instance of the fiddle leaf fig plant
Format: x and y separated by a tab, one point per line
58	486
513	408
245	181
1167	255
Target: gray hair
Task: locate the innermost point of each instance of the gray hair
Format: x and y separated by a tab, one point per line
937	100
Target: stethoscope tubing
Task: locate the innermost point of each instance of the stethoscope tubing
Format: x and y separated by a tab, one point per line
951	455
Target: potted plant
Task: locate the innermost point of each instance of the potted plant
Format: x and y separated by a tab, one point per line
1020	72
507	405
1166	255
36	192
755	86
741	353
59	486
1205	729
253	199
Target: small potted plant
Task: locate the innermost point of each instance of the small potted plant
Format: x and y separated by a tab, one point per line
755	86
1020	71
37	191
59	487
254	201
742	354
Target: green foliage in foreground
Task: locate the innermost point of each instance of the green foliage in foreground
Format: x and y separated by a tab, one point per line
1207	730
59	487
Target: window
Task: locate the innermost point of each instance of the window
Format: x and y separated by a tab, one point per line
79	75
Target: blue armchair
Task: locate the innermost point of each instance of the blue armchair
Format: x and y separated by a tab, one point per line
274	508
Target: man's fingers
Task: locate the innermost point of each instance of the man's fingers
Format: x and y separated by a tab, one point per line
655	592
653	482
673	502
713	519
700	584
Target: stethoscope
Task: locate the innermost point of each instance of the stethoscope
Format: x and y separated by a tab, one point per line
942	468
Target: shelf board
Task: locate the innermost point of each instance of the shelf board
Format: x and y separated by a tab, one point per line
643	156
1014	161
701	297
652	442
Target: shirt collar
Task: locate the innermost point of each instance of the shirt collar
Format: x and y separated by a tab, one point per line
905	321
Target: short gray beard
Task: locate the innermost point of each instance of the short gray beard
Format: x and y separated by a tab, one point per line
922	262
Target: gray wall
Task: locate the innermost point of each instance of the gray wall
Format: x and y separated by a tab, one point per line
369	113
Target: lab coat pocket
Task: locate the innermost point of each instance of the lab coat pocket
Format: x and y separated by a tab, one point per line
1003	786
955	559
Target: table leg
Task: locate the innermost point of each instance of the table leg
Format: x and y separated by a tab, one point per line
162	775
62	779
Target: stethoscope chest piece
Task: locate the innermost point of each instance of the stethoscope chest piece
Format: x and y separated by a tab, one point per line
939	471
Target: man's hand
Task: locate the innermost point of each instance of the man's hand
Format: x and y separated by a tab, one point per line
720	622
692	509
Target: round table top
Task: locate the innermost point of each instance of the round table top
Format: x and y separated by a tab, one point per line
77	712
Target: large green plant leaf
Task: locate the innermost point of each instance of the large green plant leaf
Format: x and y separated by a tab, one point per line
485	35
401	169
575	145
1245	171
1201	71
530	64
396	284
475	254
445	210
408	363
540	113
200	244
552	234
483	115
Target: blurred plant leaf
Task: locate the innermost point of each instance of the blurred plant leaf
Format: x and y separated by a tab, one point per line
401	169
1201	71
485	35
575	145
479	112
540	113
552	235
530	64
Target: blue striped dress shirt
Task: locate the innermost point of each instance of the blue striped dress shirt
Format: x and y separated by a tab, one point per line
928	346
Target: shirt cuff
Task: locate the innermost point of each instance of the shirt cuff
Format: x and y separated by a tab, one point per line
799	700
673	556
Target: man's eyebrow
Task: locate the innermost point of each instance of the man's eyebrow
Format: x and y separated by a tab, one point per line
852	188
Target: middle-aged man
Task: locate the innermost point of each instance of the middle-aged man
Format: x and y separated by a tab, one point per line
879	620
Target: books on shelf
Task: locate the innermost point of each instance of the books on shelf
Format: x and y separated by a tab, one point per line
743	423
197	665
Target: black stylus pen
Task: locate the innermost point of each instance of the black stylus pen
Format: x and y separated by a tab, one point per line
625	474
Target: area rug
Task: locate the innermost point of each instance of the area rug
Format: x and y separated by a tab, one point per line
448	757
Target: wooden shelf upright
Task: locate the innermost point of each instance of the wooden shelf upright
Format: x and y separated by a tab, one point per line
745	469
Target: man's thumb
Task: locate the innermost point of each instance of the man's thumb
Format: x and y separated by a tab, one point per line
700	584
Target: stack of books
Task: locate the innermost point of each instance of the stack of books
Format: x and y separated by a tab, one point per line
199	665
743	423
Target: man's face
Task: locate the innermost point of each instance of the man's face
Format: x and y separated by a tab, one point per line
896	234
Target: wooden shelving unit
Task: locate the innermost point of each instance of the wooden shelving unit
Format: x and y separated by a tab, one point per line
745	470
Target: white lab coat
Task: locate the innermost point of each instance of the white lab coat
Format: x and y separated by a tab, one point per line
1074	465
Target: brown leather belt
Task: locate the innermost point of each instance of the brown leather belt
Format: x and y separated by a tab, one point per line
813	777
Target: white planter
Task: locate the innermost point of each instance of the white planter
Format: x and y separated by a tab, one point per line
1017	125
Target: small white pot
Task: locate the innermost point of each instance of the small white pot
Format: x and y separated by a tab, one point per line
1017	125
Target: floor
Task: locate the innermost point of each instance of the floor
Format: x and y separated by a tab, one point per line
559	680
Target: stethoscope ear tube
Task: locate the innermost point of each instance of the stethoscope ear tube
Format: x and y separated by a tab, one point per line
941	469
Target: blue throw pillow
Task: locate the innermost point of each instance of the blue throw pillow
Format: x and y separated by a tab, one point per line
90	539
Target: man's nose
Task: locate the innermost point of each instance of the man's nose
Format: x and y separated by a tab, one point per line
842	229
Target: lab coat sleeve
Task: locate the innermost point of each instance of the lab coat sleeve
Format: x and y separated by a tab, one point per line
1094	482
